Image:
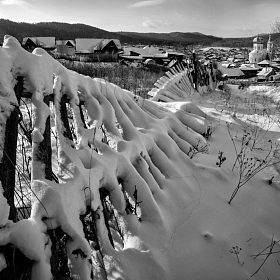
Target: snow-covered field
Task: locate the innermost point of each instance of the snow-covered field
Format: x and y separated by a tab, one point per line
185	159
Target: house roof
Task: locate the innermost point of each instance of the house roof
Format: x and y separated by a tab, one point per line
264	62
105	42
142	51
249	67
265	71
65	42
231	72
45	42
88	45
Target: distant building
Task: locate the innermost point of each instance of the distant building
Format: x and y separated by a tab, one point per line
250	70
30	43
259	54
265	74
65	46
231	73
269	48
151	52
93	45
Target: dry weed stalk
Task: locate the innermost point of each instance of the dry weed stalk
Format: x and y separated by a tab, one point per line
246	164
266	254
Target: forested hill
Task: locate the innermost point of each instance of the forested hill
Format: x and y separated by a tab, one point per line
190	38
61	31
71	31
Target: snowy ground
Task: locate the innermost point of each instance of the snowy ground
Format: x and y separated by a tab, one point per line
204	246
210	238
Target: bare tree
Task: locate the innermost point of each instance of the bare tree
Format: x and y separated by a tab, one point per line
275	26
275	30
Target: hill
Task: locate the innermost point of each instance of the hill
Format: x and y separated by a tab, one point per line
177	37
71	31
63	31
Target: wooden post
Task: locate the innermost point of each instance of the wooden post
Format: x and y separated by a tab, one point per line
7	178
44	152
194	70
64	117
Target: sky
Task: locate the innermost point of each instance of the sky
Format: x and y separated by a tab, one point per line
223	18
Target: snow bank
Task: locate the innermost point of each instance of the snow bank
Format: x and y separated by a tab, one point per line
142	145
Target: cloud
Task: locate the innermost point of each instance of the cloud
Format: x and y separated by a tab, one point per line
177	14
155	24
13	2
146	3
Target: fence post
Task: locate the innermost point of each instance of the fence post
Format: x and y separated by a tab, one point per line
64	117
44	152
7	178
194	70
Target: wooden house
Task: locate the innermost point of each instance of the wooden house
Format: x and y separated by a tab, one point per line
250	70
93	45
231	73
65	46
264	63
265	74
30	43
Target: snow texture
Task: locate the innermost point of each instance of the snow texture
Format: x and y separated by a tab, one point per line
187	228
177	85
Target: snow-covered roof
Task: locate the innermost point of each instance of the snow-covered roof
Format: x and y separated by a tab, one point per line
88	45
65	42
105	42
265	71
246	67
142	51
40	41
231	72
264	62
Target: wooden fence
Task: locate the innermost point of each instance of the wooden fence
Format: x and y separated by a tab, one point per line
48	84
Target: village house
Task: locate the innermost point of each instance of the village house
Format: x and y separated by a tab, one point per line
250	70
30	43
266	74
65	46
231	73
151	53
93	45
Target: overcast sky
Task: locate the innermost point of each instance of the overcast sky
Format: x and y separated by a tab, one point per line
225	18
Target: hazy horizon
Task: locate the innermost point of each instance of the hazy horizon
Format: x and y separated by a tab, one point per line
233	18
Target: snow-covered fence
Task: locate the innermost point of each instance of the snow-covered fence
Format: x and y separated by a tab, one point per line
145	155
180	84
